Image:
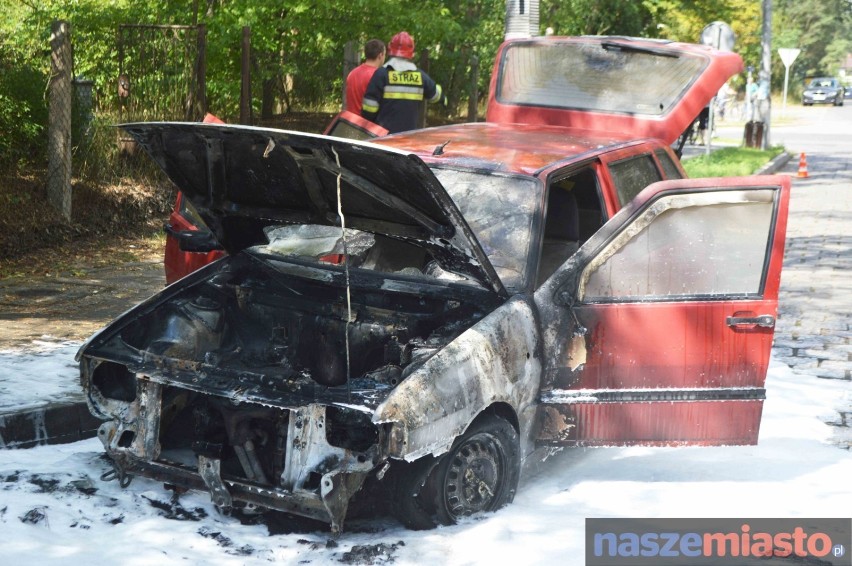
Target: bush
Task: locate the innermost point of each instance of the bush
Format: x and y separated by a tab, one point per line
23	113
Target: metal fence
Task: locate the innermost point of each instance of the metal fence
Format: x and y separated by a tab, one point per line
162	72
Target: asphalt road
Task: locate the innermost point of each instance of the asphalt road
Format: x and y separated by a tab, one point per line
72	308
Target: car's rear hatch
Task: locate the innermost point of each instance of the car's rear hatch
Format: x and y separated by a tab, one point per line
647	88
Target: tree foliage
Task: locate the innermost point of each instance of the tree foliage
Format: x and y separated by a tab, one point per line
297	45
822	29
599	17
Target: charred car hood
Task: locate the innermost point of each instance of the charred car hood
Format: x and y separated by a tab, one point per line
242	179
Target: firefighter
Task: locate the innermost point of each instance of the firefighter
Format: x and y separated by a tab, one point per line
396	90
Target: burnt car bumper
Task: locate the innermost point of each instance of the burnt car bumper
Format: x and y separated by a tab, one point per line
237	380
308	460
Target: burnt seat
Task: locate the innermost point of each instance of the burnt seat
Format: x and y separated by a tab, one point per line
561	232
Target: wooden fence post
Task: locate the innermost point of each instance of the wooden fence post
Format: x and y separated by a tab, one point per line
59	126
245	86
201	72
351	59
473	99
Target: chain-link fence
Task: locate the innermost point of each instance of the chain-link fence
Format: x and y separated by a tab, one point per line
161	77
161	72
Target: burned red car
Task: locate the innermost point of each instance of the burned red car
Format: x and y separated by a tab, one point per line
418	314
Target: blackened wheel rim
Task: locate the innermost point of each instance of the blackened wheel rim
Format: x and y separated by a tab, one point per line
479	473
474	476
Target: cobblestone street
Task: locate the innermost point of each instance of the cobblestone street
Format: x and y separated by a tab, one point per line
814	330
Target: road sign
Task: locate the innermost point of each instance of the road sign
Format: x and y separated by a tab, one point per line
787	57
719	35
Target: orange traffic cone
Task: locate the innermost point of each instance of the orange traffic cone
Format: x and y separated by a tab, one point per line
803	166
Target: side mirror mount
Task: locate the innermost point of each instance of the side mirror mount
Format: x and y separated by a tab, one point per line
201	241
565	298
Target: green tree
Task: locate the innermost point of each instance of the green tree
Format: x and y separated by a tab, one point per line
683	20
598	17
822	29
297	45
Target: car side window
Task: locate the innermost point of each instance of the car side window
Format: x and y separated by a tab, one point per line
669	167
632	175
573	215
688	245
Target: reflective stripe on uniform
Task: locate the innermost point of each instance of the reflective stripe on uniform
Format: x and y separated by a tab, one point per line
438	94
403	96
369	105
403	92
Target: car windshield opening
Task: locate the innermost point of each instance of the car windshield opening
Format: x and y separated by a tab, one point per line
499	210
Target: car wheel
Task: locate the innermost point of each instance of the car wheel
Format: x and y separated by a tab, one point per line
479	474
413	502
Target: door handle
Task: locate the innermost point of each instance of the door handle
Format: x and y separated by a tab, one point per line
764	320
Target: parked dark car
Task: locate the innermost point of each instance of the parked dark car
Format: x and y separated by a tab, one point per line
847	92
823	90
416	315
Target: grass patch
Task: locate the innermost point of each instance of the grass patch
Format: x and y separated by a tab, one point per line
730	162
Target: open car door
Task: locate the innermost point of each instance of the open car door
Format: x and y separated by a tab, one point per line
669	313
352	126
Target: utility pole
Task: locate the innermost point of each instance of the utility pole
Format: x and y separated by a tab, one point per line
765	71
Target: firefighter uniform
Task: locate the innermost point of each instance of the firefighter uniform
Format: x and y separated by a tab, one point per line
394	95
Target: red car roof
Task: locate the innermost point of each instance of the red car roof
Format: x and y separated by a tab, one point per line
511	148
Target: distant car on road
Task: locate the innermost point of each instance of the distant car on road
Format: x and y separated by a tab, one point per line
847	92
823	90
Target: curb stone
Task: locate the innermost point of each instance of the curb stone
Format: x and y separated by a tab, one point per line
775	164
52	424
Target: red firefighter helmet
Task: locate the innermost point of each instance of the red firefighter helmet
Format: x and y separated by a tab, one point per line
402	45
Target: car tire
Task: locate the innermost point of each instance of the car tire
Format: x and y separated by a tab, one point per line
413	493
478	474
